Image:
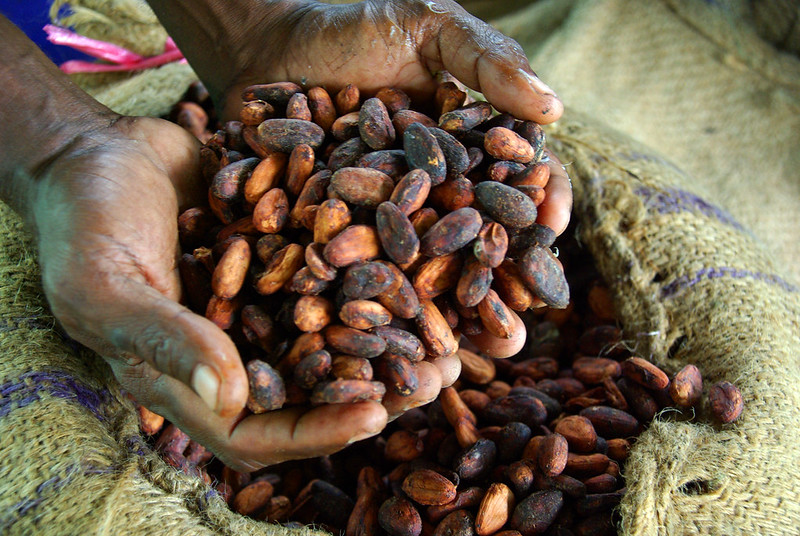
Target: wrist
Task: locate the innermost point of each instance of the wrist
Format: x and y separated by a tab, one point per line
45	116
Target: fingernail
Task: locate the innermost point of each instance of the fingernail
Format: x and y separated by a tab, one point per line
537	85
362	436
205	383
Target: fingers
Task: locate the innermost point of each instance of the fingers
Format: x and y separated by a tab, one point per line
430	383
178	343
556	208
295	433
494	64
492	346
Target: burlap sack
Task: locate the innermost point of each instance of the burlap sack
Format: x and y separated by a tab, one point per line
691	285
73	460
133	25
713	86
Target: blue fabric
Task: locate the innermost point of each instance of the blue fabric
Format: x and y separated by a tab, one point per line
30	16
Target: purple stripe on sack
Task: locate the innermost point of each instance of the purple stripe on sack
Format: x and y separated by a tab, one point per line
30	385
673	200
44	490
685	281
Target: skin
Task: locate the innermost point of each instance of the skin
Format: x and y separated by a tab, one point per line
101	194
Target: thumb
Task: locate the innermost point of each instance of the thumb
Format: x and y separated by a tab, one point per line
494	64
179	343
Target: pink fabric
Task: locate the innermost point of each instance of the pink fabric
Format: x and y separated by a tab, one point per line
118	58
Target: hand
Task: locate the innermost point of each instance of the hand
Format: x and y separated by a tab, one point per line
375	44
371	44
105	213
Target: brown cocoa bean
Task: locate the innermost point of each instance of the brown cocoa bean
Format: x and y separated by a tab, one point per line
403	118
515	408
356	243
333	216
452	232
397	235
544	276
375	125
348	367
400	298
367	280
348	99
423	152
428	487
496	317
320	103
272	212
297	107
362	186
726	402
475	368
313	193
553	454
449	97
452	194
364	314
252	497
347	154
283	135
312	369
495	509
610	422
535	513
434	331
593	370
401	342
353	341
579	432
437	275
347	392
283	265
231	270
267	390
506	205
276	93
644	373
345	127
255	112
477	461
398	517
316	263
686	387
505	144
466	117
457	523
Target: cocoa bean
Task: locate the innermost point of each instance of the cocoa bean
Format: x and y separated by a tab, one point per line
283	135
535	513
423	152
397	235
297	107
375	125
356	243
267	390
398	517
362	186
347	392
451	232
726	402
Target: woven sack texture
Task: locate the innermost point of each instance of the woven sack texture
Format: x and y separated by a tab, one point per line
692	285
713	86
133	25
74	462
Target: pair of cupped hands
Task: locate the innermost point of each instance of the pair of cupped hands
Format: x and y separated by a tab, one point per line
106	208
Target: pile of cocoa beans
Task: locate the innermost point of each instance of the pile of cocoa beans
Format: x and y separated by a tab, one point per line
532	444
347	239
